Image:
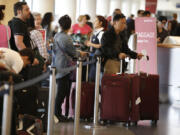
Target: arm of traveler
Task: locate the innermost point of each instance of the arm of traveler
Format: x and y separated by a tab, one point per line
19	42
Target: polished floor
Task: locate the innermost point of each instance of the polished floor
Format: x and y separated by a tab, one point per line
169	124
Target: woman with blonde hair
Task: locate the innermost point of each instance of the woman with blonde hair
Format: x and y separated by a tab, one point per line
81	26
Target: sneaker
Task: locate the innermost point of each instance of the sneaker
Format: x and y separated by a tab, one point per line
71	119
62	118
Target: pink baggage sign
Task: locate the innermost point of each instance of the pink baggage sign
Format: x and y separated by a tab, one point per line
145	28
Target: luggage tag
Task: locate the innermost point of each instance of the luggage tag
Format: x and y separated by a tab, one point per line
138	100
144	52
146	58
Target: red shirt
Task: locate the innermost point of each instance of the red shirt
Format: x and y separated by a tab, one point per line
86	29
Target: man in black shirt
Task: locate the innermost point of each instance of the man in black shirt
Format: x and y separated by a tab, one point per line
20	37
114	45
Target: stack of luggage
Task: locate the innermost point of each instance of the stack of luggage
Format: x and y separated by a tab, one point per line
130	98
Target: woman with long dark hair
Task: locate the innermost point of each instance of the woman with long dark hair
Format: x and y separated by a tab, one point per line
46	24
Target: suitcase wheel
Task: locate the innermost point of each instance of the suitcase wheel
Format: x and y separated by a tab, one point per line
154	122
103	122
133	123
107	122
127	124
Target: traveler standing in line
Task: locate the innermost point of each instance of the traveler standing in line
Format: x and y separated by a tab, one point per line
82	32
64	50
37	20
46	24
5	32
114	46
37	38
81	27
20	36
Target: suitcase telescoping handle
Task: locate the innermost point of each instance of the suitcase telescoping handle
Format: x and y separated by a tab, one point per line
147	68
121	65
87	70
120	68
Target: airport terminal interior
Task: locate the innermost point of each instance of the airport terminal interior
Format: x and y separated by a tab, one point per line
90	67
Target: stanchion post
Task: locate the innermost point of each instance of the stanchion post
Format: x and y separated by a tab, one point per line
7	110
96	102
52	94
78	96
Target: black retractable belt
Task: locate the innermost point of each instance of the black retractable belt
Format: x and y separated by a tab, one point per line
4	76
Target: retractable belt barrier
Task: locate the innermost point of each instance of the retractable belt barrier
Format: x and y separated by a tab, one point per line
7	90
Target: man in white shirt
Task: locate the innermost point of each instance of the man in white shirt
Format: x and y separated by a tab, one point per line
13	61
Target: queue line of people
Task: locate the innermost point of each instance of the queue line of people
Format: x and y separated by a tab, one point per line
106	36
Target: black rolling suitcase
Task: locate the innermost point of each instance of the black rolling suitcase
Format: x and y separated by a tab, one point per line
42	106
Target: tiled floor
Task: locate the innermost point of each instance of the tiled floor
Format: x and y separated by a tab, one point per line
169	124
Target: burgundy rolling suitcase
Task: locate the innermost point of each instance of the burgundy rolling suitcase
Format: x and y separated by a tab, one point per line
149	93
87	99
115	100
135	97
120	92
130	93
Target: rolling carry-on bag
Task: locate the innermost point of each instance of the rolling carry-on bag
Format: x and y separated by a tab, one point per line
149	94
115	98
120	97
87	99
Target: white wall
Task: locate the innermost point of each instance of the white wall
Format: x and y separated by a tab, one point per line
168	5
74	9
43	6
63	7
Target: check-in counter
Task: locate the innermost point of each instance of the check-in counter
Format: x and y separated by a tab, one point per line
169	71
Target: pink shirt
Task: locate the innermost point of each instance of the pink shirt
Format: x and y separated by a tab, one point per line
3	36
83	30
